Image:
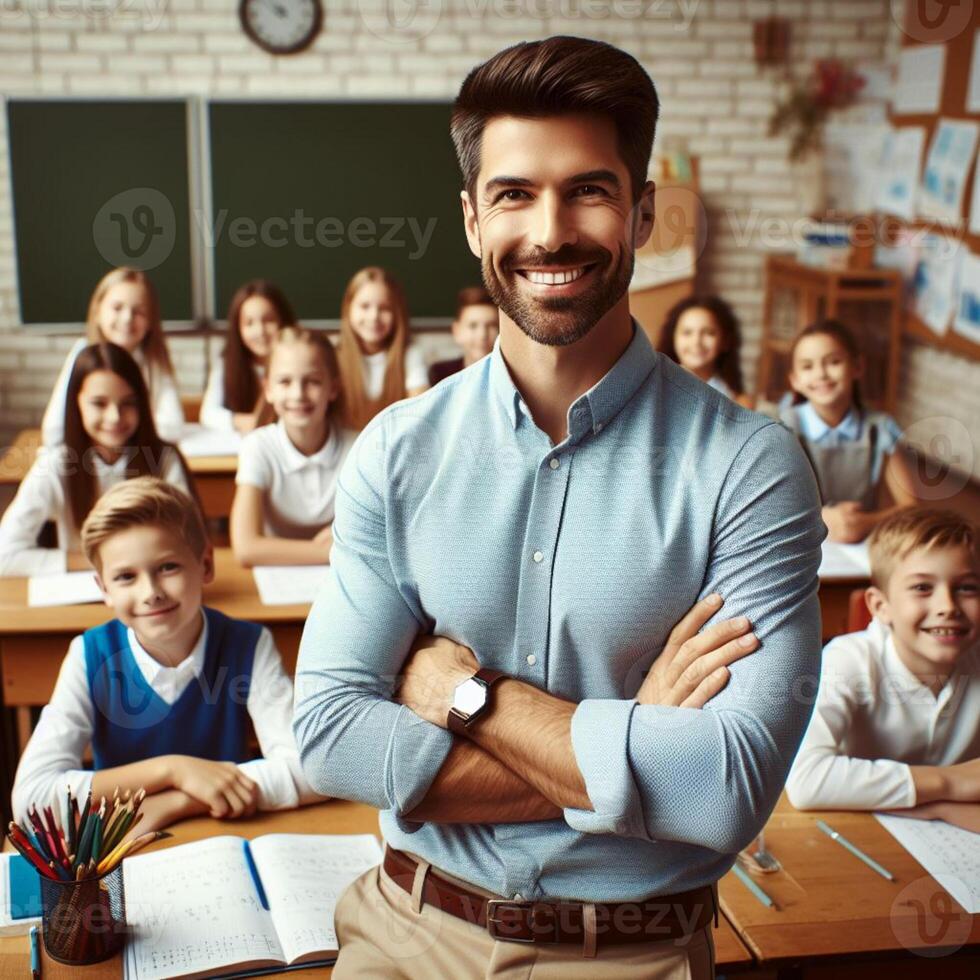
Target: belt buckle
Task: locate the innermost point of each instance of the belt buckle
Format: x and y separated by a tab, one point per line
527	920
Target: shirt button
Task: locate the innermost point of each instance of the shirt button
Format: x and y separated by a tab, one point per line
537	556
553	463
531	660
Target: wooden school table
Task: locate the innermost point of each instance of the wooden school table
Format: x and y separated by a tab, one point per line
33	641
214	476
839	919
335	817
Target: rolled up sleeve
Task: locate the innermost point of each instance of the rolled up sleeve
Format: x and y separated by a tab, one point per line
711	777
354	741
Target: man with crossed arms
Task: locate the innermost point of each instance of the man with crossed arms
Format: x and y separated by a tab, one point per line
512	551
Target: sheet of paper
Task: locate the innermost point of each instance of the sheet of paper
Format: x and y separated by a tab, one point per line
198	441
973	89
935	283
289	585
844	560
920	79
898	172
950	854
303	876
851	154
656	269
954	142
63	589
974	222
193	908
967	319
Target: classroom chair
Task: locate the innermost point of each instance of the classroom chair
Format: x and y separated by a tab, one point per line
858	617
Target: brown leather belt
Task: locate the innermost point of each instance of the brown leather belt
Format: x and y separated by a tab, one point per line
670	917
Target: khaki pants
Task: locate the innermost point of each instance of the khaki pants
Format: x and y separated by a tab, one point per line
386	934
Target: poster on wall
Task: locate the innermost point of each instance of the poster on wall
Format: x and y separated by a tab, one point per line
973	90
898	171
934	288
947	166
967	320
920	79
975	203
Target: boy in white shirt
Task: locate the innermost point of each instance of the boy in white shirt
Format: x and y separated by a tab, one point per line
897	720
164	693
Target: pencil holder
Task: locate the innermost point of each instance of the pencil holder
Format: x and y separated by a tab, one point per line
84	921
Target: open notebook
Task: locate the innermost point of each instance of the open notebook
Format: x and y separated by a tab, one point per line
196	910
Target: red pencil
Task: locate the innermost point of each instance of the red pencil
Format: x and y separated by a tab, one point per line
54	832
23	845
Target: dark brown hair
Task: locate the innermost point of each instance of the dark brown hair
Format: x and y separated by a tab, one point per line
843	335
728	365
472	296
152	453
555	77
241	390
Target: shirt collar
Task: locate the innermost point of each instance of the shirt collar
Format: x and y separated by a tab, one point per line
294	460
592	411
152	669
814	427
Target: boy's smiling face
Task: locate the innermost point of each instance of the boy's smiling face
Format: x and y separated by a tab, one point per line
931	602
154	584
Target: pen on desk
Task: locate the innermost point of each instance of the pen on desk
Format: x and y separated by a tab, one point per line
753	887
35	955
250	861
856	851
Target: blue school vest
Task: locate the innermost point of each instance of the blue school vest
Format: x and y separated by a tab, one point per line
210	718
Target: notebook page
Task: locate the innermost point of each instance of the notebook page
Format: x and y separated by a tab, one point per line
62	589
303	876
288	585
193	909
950	854
838	560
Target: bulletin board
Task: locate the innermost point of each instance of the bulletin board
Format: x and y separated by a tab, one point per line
953	105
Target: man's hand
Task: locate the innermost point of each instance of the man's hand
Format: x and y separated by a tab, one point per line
693	667
221	786
846	522
434	668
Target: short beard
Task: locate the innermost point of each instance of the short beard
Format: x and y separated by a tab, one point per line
584	312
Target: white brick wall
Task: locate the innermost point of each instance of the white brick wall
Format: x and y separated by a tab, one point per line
716	103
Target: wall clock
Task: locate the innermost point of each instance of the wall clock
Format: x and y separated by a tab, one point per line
281	26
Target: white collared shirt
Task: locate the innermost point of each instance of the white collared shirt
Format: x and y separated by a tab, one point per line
43	496
375	365
168	413
874	719
298	490
53	757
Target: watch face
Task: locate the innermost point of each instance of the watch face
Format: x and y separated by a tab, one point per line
281	26
470	696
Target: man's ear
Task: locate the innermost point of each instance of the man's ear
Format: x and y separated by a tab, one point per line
470	224
207	561
877	605
644	215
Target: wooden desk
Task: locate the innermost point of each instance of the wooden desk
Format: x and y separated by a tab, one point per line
214	476
335	817
33	641
835	914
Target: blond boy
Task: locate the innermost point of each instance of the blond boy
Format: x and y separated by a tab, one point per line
897	720
164	692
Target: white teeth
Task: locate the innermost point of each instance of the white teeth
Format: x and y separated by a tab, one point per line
944	631
554	278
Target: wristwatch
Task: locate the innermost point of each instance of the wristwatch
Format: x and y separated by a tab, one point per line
471	699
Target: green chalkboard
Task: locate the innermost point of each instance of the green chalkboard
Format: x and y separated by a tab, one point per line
97	184
307	193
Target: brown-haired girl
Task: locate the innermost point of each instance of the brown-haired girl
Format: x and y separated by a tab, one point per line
377	364
287	471
851	448
701	333
233	398
109	436
124	310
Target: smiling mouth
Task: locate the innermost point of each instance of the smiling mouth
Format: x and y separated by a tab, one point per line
158	612
946	631
560	277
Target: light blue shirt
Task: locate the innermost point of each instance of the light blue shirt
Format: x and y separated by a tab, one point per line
567	567
850	429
